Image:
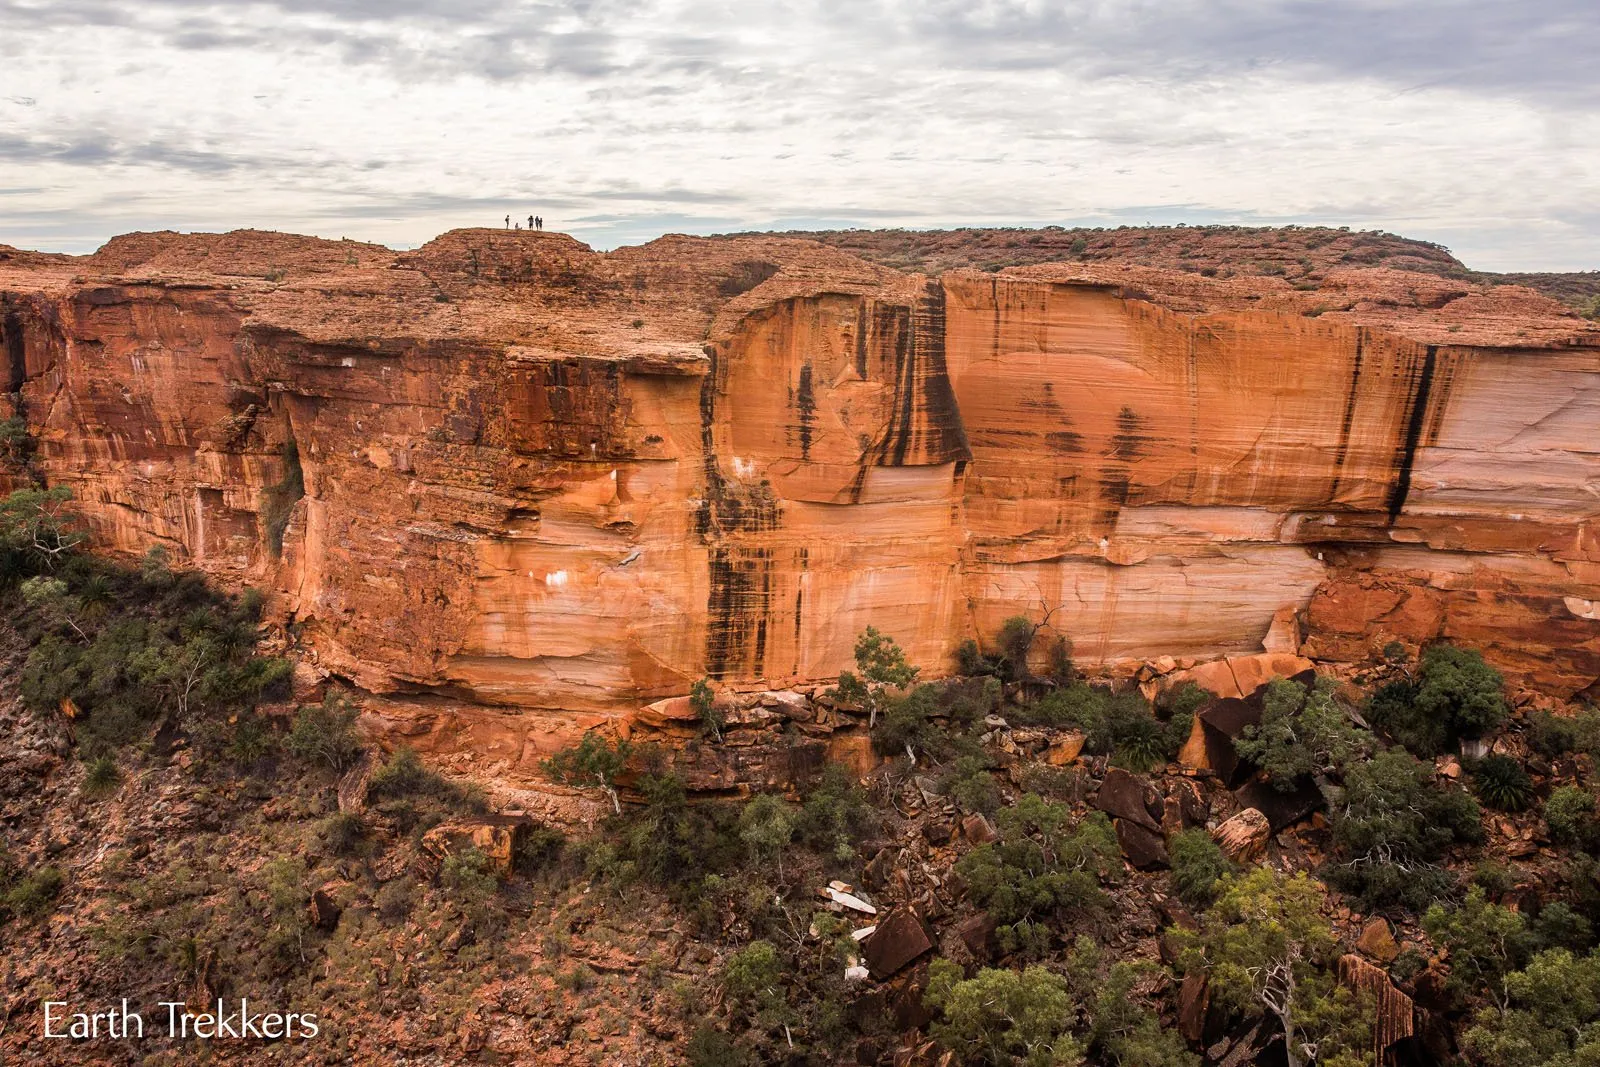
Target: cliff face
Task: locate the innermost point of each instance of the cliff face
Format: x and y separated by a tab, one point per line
504	470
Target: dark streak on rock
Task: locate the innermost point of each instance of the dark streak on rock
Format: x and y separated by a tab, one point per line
1415	419
1349	414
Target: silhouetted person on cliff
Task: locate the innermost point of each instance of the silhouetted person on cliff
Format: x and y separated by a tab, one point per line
508	222
530	222
540	221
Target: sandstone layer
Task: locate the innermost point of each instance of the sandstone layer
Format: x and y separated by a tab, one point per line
517	485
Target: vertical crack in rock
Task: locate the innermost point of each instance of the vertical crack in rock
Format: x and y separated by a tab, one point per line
1415	419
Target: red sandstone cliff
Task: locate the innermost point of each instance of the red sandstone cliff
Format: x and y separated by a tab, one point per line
506	470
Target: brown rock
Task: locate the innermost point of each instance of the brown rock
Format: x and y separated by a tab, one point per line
495	836
324	907
1130	797
1065	749
1393	1015
1194	1000
1143	847
977	935
978	830
1244	836
1377	940
900	939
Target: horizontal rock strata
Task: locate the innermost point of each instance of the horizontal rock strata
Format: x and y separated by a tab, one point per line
506	473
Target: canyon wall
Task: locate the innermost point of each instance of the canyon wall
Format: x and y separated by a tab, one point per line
509	474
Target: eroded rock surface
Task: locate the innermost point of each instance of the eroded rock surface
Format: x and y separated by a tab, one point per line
521	488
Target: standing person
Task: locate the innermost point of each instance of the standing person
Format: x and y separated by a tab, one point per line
508	222
540	221
530	222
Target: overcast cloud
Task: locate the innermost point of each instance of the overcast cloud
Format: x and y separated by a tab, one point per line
1469	122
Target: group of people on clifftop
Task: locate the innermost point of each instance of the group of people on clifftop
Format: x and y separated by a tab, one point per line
535	222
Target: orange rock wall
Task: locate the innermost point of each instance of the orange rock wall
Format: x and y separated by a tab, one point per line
583	526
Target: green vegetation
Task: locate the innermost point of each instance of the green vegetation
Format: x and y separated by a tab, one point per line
1303	732
1392	824
1198	867
324	734
1045	863
1549	1015
704	703
1502	783
594	763
1455	696
883	670
1269	952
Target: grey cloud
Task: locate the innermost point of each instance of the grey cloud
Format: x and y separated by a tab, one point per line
100	149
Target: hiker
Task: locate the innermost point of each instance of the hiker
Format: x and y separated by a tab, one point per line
508	222
519	227
540	221
530	222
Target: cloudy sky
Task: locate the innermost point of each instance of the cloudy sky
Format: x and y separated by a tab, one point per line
1475	123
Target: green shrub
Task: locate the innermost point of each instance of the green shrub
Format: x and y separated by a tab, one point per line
33	895
344	833
1503	784
403	775
594	762
1303	731
1455	696
766	826
1391	824
394	901
704	703
836	814
1570	815
754	981
1002	1016
324	734
1549	1013
101	778
710	1047
969	784
1044	863
1198	865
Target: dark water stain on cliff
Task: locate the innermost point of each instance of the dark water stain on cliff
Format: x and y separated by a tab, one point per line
805	401
1126	445
1415	418
738	608
1345	424
727	507
15	346
925	426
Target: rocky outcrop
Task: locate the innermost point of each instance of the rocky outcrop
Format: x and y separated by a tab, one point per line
519	487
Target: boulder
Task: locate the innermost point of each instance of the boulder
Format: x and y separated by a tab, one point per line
1244	836
977	935
1065	749
900	940
1282	808
978	829
1130	797
496	836
324	907
1393	1014
1377	940
1194	1000
1143	847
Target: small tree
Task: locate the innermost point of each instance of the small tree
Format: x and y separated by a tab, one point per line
1486	943
1303	731
1003	1017
883	668
1550	1015
704	703
766	826
1268	951
594	762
